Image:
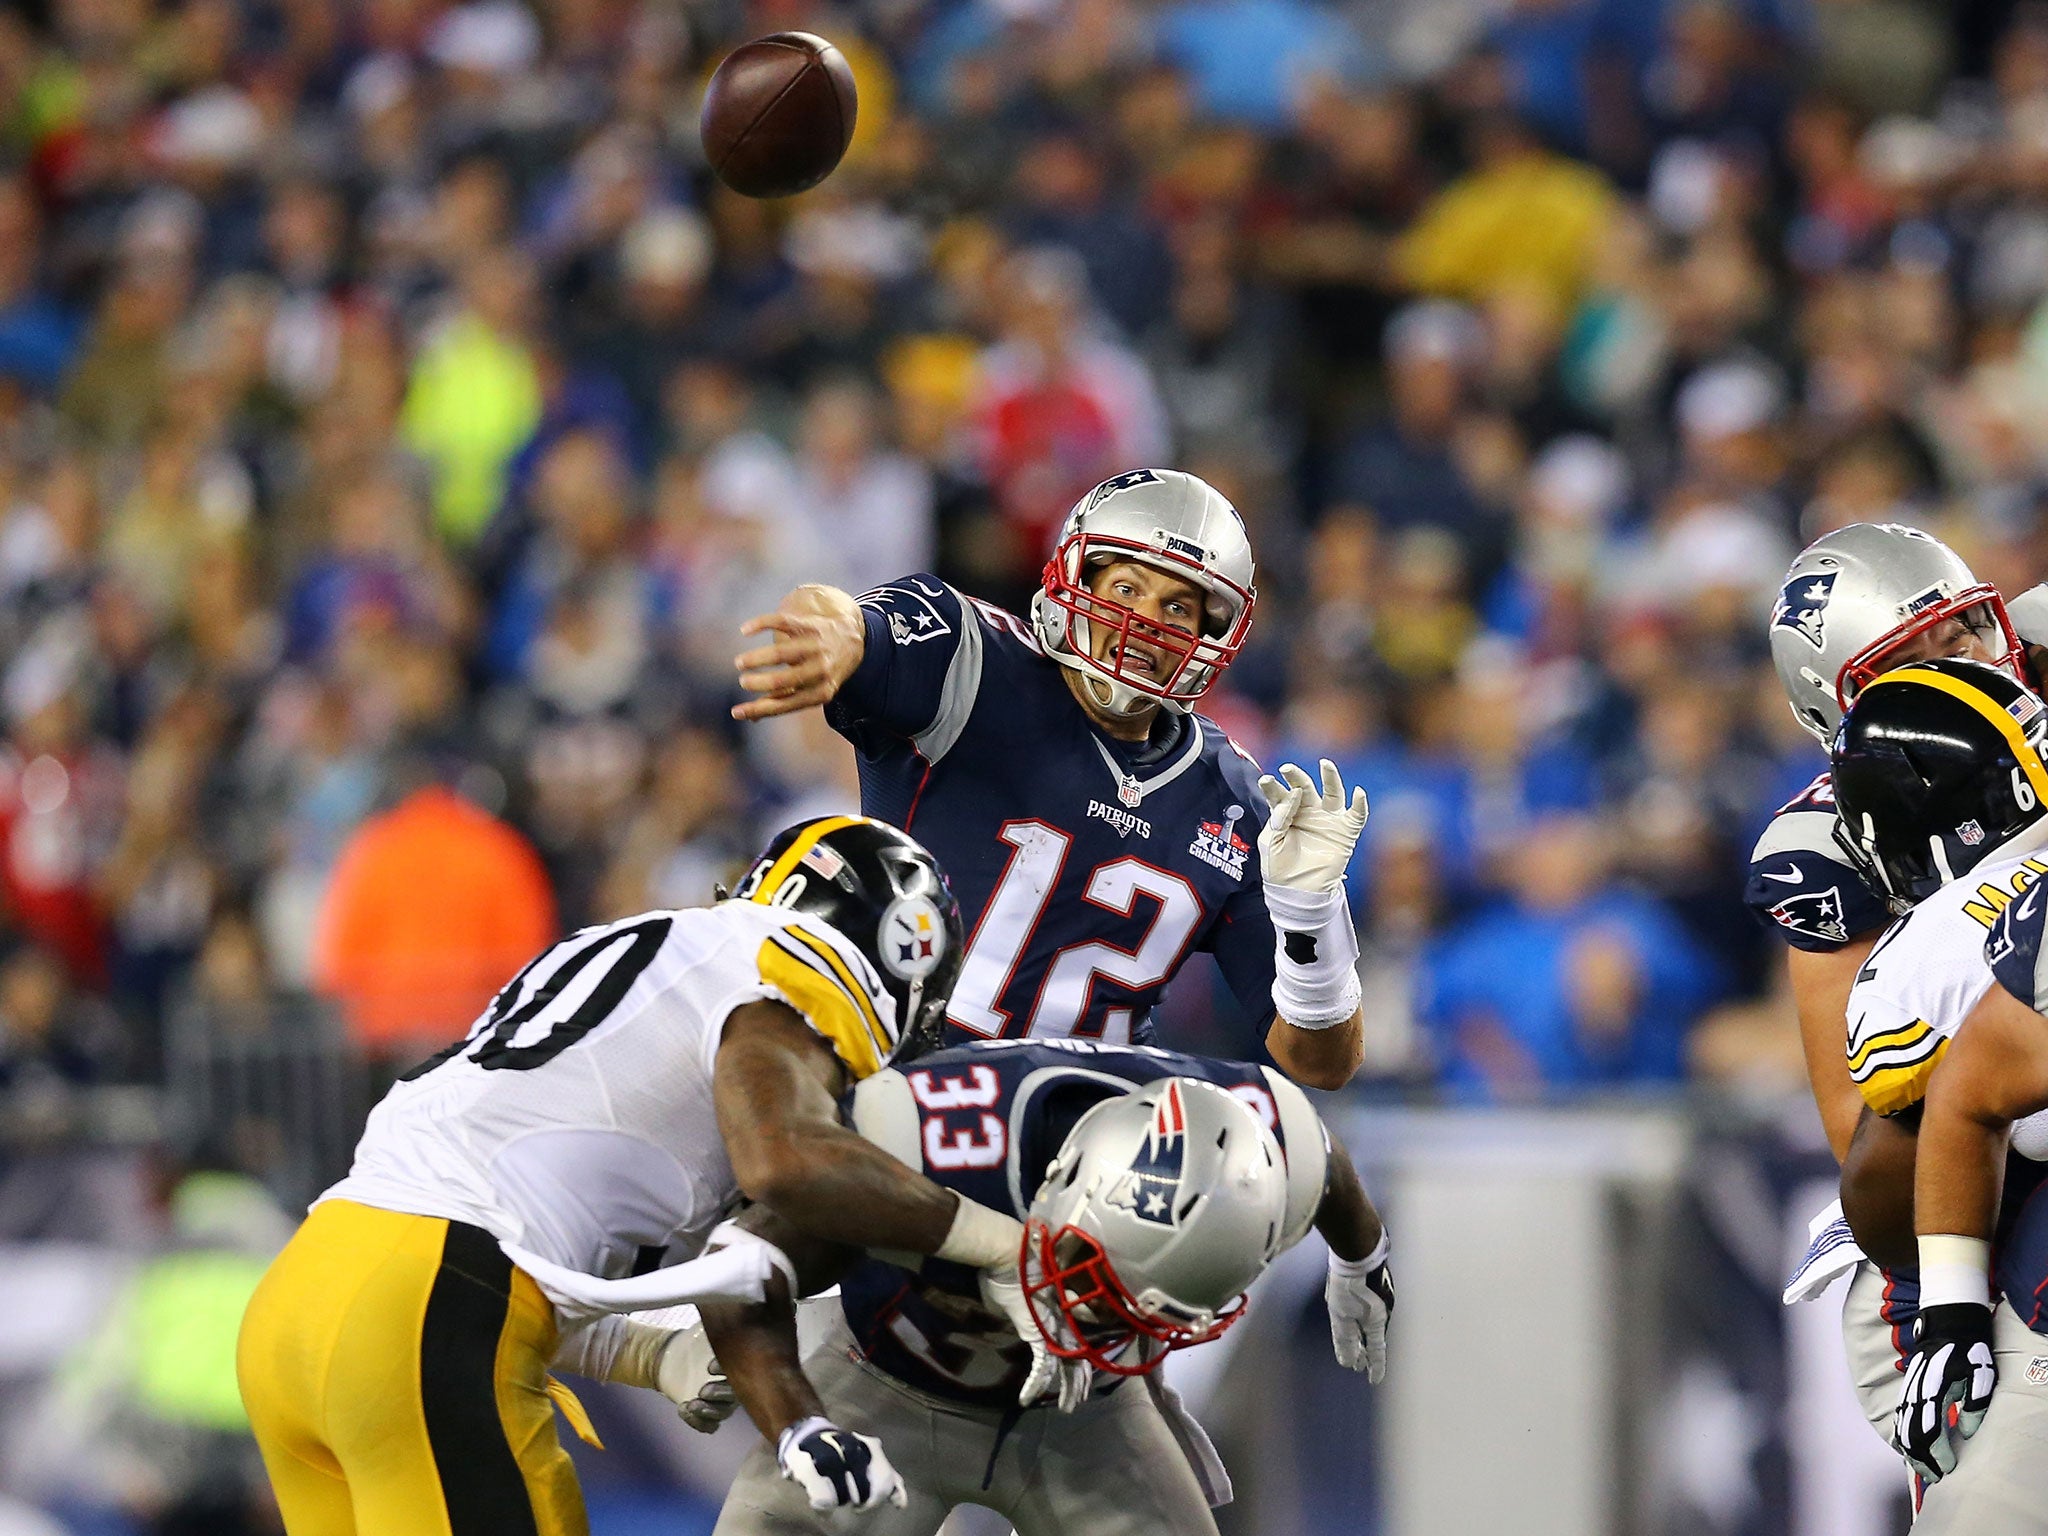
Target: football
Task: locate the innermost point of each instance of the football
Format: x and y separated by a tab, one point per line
778	115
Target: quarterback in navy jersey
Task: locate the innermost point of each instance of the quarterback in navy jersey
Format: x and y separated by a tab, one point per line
918	1359
1095	828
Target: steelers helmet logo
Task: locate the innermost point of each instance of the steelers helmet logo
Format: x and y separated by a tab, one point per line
912	938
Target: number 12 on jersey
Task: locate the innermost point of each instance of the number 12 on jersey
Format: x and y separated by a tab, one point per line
1011	920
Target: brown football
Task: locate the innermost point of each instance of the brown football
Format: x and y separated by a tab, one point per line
778	115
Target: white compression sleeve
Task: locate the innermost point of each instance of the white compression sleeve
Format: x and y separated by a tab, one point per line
614	1348
980	1237
1315	957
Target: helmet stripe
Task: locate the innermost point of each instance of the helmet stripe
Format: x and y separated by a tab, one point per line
848	980
806	840
1985	705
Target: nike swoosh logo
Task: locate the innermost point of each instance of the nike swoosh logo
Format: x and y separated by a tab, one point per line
1794	878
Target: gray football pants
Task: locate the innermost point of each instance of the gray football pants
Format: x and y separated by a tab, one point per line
2000	1484
1110	1468
1873	1353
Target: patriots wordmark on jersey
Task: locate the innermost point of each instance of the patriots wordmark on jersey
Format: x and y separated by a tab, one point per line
1801	884
984	1120
1912	994
1087	869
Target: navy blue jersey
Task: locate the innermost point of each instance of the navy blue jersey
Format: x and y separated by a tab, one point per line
1087	869
1802	886
985	1120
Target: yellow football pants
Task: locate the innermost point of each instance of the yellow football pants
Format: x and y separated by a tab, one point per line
395	1372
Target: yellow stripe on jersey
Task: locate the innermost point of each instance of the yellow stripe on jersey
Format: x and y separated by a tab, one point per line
824	1002
1891	1089
779	871
883	1041
1905	1034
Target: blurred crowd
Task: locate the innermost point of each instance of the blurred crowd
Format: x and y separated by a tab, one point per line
396	423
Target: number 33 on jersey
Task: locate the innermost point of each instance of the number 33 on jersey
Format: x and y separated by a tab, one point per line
1087	869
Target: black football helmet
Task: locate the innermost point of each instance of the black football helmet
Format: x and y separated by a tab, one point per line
884	893
1937	766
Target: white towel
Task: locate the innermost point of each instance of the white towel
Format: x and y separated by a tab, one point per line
1831	1252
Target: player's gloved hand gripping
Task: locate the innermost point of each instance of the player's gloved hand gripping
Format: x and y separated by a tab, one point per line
690	1377
1068	1380
836	1468
1303	852
1359	1294
1948	1386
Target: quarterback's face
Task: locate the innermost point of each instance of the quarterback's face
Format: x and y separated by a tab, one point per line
1967	636
1164	600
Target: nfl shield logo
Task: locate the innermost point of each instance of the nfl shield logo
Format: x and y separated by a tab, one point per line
1129	793
2037	1371
1970	833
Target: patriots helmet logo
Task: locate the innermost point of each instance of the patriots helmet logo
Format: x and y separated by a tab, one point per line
1802	606
1151	1190
912	939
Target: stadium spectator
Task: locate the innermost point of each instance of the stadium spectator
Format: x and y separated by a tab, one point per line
431	906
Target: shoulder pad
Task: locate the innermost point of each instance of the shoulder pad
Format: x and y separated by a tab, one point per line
919	609
2013	949
883	1111
1239	769
832	986
1308	1156
1813	901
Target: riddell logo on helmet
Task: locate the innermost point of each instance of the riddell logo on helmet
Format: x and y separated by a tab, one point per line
1151	1190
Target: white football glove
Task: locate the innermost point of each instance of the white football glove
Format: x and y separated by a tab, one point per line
1003	1293
690	1377
1308	839
836	1468
1360	1296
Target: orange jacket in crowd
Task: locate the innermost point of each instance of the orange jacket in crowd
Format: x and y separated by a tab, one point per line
434	905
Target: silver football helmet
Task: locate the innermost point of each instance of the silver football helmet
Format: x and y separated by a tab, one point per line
1855	597
1178	524
1162	1206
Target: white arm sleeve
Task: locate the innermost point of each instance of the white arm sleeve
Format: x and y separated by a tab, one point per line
1308	1155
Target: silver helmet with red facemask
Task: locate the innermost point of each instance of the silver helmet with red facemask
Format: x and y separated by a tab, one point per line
1171	522
1857	599
1161	1208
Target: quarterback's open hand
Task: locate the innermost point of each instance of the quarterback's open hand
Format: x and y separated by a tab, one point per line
690	1377
1068	1379
1360	1296
836	1468
1949	1378
1309	838
819	640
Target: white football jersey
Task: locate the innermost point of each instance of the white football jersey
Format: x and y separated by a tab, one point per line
1921	981
576	1120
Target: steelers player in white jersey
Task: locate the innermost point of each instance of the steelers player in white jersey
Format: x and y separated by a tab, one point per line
604	1115
1944	802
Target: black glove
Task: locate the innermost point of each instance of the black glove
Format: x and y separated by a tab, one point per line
1949	1378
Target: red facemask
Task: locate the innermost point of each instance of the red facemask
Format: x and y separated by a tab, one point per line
1192	662
1874	660
1084	1312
